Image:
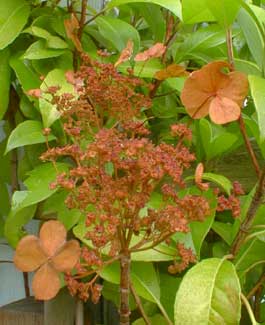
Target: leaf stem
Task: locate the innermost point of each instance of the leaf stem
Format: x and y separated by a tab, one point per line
139	304
249	310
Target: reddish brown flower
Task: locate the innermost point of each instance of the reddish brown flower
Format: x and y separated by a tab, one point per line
156	51
49	254
214	92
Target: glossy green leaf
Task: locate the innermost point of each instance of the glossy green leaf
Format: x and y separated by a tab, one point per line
118	32
155	320
224	230
220	144
25	74
142	69
224	11
13	17
209	294
172	5
257	85
196	11
48	111
40	50
26	133
5	72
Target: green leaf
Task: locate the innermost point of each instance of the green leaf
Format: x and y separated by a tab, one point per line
209	294
40	50
172	5
26	133
220	180
249	24
224	11
224	230
220	144
196	11
48	111
26	76
142	69
52	41
155	320
13	17
118	32
257	85
24	202
199	230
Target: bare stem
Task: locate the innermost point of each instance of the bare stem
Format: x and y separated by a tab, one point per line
139	304
125	289
249	310
259	284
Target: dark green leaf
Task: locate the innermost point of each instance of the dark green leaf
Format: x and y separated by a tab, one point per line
40	50
4	81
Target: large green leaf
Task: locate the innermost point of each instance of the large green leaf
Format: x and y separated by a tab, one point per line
257	86
157	319
143	69
4	80
224	11
172	5
196	11
24	202
209	294
118	32
13	17
26	76
26	133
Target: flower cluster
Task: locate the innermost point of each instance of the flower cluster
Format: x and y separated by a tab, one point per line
115	169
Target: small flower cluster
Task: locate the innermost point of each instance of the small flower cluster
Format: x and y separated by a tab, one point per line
231	202
187	257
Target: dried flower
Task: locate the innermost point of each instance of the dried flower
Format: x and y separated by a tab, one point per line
214	92
49	254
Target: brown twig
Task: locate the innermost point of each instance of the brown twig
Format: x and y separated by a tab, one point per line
139	304
260	283
241	122
257	200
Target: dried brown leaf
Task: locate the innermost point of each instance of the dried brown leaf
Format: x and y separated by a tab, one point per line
52	237
126	53
29	254
172	71
155	51
46	283
71	27
67	258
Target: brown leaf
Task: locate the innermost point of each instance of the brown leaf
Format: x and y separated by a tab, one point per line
46	283
67	258
198	178
173	70
72	26
52	236
155	51
126	53
210	90
29	254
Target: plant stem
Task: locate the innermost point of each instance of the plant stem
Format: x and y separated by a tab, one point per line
249	310
259	283
139	304
125	262
241	122
246	224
